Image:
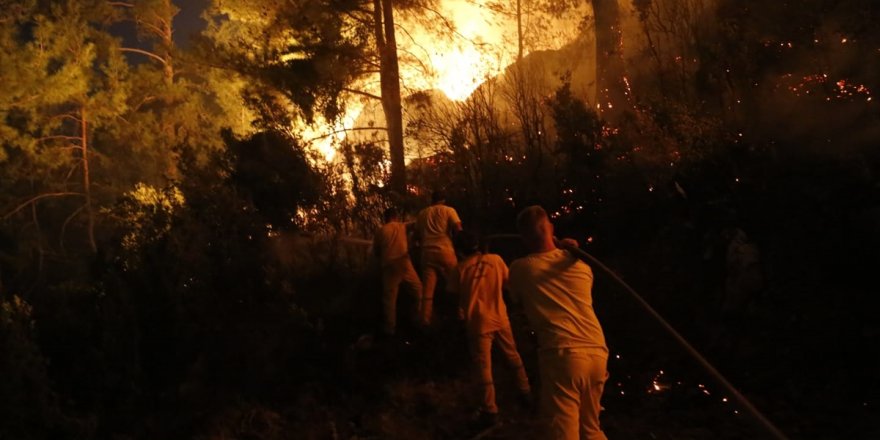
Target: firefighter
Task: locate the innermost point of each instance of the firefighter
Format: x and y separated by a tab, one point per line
391	248
555	290
434	226
477	281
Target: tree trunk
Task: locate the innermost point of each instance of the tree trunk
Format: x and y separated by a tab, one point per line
168	41
519	31
87	190
165	35
610	88
389	79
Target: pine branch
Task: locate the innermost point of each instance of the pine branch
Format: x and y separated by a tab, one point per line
346	130
66	116
34	199
156	29
144	52
49	138
362	93
64	225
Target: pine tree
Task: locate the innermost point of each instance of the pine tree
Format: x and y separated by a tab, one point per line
313	54
389	78
69	81
175	102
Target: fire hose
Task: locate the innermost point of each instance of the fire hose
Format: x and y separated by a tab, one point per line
763	421
701	360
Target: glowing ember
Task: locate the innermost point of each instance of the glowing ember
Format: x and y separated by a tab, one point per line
657	385
841	89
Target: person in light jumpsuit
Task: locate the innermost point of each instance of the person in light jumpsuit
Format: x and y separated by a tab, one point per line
477	281
434	226
555	290
392	251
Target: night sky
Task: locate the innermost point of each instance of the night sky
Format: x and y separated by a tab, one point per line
187	23
189	20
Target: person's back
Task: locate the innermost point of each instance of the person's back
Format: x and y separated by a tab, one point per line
392	251
391	242
555	290
434	224
479	280
556	294
433	228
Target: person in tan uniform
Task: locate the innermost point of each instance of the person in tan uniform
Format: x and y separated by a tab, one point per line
392	251
555	290
478	280
434	225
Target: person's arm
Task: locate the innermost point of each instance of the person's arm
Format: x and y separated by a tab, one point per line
454	222
505	276
505	272
566	243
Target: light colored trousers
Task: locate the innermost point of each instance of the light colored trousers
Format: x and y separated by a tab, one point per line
394	273
481	351
435	261
572	381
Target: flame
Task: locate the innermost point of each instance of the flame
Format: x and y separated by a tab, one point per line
464	48
323	136
465	44
481	43
461	71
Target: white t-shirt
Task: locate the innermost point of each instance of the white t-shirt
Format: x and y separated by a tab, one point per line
556	292
390	240
434	224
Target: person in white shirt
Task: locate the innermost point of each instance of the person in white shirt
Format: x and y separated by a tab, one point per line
555	290
434	226
392	250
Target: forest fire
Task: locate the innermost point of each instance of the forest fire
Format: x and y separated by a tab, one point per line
460	71
272	218
467	45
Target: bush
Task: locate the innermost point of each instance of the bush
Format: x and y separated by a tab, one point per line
27	406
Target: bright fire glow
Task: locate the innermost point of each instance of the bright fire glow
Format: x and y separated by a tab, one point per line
483	43
480	46
324	136
460	71
462	60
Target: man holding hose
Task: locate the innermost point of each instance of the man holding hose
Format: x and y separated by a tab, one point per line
555	289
